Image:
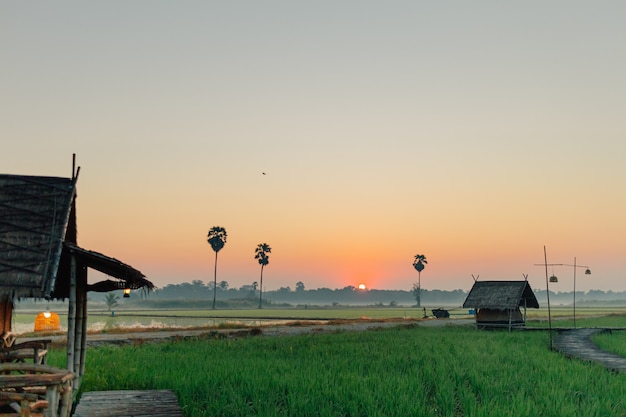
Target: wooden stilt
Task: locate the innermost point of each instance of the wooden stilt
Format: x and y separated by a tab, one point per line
83	342
80	301
71	316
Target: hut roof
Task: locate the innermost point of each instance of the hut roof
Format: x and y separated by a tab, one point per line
38	234
129	276
501	295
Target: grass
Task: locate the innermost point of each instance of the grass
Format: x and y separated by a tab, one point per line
612	342
611	320
404	371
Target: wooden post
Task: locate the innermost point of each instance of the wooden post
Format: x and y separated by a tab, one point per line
80	301
66	399
6	314
83	342
71	316
525	299
52	396
510	319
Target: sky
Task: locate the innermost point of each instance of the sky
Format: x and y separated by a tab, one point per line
474	133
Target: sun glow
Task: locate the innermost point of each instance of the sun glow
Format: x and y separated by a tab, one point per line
362	286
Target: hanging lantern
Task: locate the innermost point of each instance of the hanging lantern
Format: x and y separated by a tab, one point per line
126	292
553	278
587	271
47	321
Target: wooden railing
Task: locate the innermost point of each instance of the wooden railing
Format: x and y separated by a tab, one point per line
34	351
30	389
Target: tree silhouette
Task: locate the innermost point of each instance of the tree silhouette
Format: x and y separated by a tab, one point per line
418	264
260	253
217	239
111	301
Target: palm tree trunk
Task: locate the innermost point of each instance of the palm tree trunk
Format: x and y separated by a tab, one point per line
215	281
261	288
419	288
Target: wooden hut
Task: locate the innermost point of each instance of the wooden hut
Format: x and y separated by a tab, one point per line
40	257
497	304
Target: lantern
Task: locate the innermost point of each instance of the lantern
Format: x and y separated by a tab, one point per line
47	321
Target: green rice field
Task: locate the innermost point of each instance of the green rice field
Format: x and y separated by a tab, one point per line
99	320
613	342
405	371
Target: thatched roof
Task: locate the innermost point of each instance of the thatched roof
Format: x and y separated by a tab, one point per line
129	276
501	295
34	217
38	235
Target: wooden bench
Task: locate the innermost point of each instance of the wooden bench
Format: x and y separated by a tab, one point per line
25	388
153	403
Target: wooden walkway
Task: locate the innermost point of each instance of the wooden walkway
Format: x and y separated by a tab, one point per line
577	344
128	403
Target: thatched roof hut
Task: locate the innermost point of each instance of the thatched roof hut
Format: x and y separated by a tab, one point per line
40	257
497	303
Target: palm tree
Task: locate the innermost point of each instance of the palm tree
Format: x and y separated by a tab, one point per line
260	253
111	301
217	239
418	264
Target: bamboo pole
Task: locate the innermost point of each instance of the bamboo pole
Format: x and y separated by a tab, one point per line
80	300
71	316
83	342
545	261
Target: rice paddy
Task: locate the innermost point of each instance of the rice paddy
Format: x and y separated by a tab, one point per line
404	371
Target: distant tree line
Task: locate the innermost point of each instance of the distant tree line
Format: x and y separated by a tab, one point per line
198	290
195	294
299	295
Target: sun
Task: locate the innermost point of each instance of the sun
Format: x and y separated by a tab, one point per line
362	286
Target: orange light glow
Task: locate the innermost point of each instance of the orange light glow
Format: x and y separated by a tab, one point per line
362	286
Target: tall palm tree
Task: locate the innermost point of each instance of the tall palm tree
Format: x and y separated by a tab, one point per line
217	239
260	253
418	264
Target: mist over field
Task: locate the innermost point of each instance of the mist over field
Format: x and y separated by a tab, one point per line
198	295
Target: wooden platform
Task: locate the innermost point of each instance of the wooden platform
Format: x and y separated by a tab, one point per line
577	344
128	403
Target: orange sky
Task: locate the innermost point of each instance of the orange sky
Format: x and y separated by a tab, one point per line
450	130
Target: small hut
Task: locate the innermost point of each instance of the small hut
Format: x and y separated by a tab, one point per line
497	304
40	257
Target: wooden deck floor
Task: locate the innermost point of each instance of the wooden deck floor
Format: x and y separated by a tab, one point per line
128	403
577	344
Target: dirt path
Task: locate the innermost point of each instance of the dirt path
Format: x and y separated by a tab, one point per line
578	344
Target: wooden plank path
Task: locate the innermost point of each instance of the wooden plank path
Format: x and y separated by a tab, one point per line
128	403
577	344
